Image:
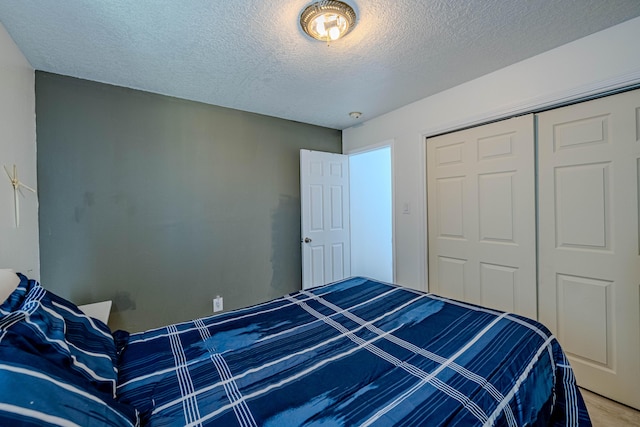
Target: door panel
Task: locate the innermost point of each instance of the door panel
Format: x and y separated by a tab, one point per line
481	214
498	286
592	231
451	277
589	262
324	193
495	198
451	207
584	329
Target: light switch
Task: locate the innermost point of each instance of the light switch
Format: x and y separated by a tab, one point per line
217	304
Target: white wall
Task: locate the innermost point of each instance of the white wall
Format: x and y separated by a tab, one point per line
603	61
19	248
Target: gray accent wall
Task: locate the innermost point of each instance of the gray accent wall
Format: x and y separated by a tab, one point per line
160	204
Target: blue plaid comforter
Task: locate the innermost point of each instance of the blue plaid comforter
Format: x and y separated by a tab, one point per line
356	353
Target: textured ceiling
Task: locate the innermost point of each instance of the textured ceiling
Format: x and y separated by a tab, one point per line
252	55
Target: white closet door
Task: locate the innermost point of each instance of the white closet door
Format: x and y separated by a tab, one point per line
589	162
481	214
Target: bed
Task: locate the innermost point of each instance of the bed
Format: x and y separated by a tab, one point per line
354	352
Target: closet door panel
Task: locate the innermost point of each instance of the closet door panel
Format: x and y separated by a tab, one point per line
589	252
481	214
583	218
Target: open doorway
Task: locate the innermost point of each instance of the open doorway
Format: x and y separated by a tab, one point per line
370	187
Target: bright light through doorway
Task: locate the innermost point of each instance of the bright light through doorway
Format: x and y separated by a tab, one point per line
371	214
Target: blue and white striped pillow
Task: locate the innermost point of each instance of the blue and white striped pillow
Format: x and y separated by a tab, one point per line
55	329
34	391
59	348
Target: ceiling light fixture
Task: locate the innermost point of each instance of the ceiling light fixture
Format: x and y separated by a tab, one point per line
327	20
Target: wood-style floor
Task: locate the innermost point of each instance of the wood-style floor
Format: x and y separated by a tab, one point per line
607	413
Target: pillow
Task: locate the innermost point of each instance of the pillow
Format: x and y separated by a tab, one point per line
47	325
34	391
61	361
9	281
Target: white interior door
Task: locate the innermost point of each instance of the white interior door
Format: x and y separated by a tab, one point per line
324	194
481	215
589	162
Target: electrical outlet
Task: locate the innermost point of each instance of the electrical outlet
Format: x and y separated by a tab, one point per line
217	304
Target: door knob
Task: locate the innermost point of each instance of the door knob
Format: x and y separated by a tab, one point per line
307	240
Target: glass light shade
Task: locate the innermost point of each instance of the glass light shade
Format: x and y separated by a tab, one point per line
327	20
